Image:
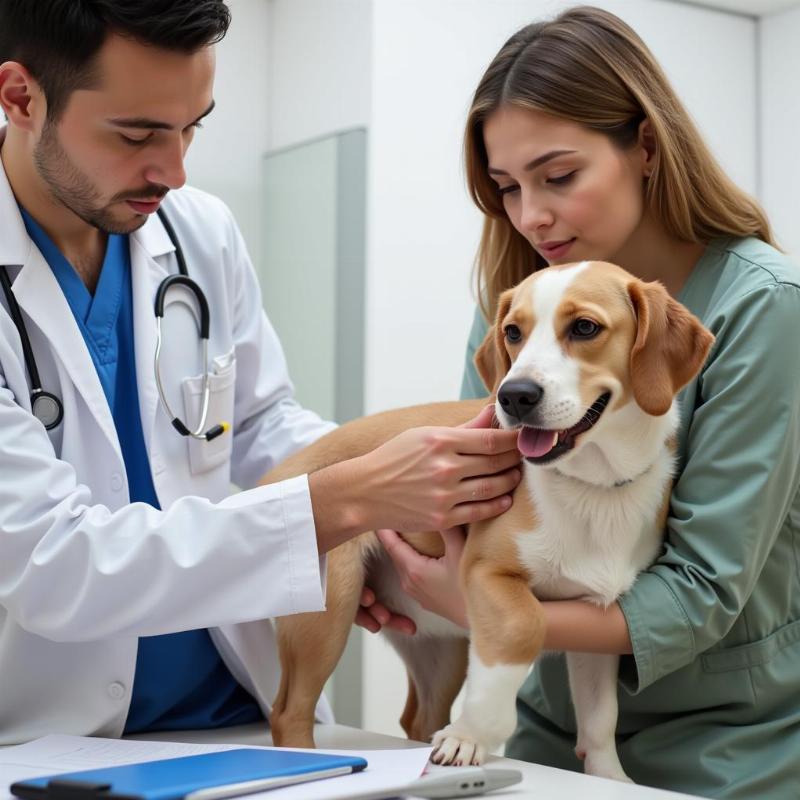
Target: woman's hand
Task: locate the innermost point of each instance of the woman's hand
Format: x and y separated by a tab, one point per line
432	582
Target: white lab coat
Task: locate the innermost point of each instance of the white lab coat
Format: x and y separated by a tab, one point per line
83	572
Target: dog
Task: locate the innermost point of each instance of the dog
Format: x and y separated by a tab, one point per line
585	361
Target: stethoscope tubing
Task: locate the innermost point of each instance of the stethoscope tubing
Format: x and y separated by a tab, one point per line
46	407
42	399
16	315
176	422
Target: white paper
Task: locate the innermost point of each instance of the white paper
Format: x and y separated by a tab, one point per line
387	768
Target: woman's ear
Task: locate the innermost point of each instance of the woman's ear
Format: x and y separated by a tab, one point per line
648	147
670	349
491	358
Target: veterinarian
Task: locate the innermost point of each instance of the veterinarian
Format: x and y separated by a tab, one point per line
578	148
135	589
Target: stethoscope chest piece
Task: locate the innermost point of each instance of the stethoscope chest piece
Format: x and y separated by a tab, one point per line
47	408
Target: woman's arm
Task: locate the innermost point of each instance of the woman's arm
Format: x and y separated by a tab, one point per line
729	504
471	384
580	626
572	625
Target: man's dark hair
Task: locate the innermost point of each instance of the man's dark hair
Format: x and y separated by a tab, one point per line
57	40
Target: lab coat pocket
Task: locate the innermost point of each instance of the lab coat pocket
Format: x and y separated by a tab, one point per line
205	456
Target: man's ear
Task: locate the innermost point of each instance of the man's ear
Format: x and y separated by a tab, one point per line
20	95
491	358
670	349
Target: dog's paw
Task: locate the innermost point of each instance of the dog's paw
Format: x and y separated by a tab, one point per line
454	746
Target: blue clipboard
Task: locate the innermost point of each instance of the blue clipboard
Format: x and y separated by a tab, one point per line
208	776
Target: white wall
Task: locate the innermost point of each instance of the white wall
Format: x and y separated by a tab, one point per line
780	123
225	157
287	71
319	55
423	231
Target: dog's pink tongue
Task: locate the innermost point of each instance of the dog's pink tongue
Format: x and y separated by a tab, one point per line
534	442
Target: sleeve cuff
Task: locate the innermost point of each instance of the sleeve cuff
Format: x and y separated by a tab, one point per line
660	633
307	570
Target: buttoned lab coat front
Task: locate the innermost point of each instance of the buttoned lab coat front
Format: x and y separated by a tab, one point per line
83	572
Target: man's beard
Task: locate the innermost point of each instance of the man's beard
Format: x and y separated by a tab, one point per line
73	189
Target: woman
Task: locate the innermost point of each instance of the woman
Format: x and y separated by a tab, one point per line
578	148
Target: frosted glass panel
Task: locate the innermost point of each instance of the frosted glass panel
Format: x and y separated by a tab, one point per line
300	266
312	273
312	277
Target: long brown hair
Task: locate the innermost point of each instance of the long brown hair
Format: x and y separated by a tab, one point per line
588	66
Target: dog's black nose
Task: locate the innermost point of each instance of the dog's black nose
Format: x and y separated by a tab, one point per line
519	398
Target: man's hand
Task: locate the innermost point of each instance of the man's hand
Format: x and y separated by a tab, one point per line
374	616
436	478
434	582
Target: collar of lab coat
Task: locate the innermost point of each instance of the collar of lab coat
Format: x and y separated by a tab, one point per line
40	297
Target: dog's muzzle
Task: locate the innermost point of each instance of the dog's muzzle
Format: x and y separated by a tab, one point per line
519	399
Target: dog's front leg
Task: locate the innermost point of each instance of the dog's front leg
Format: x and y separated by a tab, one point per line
507	632
593	683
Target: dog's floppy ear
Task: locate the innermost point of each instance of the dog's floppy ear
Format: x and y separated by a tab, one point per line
670	348
491	358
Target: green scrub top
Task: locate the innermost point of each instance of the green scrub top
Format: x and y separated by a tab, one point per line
710	699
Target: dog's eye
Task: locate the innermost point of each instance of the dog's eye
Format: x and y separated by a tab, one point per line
584	328
513	333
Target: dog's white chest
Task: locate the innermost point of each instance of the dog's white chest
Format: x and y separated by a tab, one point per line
591	541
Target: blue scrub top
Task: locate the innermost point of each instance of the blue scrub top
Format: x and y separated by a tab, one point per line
181	681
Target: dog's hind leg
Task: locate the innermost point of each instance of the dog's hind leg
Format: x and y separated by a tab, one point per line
437	666
310	646
593	683
410	710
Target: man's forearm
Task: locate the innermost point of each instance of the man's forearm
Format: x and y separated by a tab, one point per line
336	500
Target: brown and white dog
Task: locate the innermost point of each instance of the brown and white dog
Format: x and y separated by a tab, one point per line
585	360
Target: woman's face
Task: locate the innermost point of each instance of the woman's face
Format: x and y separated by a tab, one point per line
568	190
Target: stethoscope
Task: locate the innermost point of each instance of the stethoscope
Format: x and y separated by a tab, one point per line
49	409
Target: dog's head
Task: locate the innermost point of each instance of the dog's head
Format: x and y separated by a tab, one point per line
574	344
